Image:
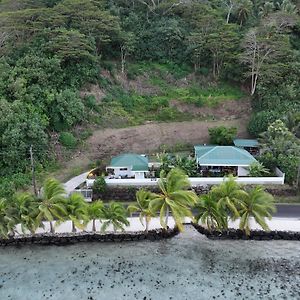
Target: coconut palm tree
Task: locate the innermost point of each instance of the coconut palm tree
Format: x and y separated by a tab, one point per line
3	219
143	199
23	210
76	209
229	195
115	214
174	197
52	204
209	214
243	10
95	212
259	205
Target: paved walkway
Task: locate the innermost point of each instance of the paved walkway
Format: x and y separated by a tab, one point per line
75	182
279	224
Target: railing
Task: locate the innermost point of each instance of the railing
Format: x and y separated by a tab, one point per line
195	181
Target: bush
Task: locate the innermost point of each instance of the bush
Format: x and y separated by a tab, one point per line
260	121
289	164
68	140
268	160
100	185
222	135
257	169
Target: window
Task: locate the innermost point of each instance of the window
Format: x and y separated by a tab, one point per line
123	169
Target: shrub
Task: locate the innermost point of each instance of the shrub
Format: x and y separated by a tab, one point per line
222	135
68	140
100	185
268	160
289	164
257	169
260	121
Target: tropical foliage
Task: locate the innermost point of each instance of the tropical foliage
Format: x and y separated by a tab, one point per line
143	199
257	169
50	50
76	211
222	135
230	201
115	214
174	198
257	204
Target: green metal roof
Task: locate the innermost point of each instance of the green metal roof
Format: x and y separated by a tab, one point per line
245	143
135	161
223	156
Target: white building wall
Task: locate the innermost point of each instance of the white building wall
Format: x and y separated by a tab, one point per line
119	172
243	171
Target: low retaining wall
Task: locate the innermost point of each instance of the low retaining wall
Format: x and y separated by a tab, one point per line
72	238
237	234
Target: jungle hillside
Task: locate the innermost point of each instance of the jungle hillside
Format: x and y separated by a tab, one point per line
72	69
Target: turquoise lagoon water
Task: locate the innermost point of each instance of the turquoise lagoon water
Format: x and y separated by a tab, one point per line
188	266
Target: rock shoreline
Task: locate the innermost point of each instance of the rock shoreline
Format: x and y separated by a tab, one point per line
61	239
237	234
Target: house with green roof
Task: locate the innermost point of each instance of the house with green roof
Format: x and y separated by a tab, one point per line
223	160
250	145
128	165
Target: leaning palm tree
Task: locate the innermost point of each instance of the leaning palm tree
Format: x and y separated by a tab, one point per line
76	209
3	219
209	214
115	214
174	197
23	210
259	205
143	199
95	212
229	195
52	204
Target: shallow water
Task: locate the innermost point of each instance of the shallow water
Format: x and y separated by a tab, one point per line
188	266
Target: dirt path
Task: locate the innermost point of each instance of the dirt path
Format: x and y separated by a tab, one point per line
144	139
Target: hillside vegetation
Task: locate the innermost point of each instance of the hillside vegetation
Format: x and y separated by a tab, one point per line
68	66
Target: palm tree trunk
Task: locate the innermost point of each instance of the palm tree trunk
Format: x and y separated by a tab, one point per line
51	227
94	225
147	224
167	216
73	227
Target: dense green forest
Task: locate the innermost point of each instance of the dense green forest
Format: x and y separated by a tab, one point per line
50	49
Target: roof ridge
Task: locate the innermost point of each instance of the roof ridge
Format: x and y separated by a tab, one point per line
208	152
243	151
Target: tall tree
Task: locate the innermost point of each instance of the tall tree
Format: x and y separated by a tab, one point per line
76	211
114	214
95	212
174	198
52	205
229	194
261	48
143	199
208	213
257	204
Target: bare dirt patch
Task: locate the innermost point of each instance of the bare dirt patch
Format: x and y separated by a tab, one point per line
144	139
